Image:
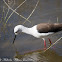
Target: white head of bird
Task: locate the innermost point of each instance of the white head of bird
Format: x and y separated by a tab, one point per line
18	29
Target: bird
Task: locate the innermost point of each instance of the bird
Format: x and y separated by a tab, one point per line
41	30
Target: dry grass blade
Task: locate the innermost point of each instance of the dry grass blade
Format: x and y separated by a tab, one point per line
57	19
14	12
53	44
8	9
32	11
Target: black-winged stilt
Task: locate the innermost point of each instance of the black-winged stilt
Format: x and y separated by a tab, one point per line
39	30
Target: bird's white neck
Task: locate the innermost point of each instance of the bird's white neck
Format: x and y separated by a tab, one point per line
26	30
32	31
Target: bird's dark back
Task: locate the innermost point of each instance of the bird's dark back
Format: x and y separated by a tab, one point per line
49	27
57	27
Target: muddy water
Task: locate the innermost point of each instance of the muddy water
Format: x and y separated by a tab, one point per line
46	11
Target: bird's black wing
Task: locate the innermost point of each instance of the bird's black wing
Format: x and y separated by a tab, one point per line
49	27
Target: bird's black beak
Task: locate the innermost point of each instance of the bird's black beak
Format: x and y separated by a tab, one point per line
14	39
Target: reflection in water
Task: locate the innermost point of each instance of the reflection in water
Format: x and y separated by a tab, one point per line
48	56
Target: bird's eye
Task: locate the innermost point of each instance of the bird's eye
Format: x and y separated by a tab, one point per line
15	32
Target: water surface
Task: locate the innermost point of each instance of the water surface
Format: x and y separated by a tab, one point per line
46	11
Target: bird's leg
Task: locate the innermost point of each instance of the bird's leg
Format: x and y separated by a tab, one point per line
49	41
44	43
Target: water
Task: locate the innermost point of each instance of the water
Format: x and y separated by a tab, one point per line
46	11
